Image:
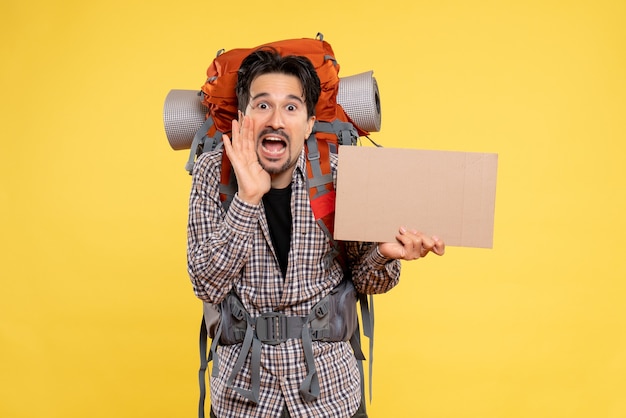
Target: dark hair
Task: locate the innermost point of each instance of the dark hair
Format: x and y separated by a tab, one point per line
267	61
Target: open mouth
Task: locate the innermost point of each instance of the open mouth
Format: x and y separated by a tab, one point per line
274	145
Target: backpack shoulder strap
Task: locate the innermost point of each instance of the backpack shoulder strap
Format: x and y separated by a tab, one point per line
228	182
322	196
207	354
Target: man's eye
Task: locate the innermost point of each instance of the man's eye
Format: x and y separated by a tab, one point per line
291	107
262	106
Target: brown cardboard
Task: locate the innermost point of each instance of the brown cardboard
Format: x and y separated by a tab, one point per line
444	193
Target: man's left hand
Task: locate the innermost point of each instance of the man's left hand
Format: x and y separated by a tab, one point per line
412	245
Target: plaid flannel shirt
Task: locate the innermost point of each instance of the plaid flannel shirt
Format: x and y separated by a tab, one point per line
234	249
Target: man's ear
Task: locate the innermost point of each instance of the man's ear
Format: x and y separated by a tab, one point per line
310	124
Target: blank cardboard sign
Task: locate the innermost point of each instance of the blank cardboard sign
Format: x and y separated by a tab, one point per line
444	193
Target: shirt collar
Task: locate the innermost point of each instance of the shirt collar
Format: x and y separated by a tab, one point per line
300	170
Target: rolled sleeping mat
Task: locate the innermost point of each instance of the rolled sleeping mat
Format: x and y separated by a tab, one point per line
358	96
184	113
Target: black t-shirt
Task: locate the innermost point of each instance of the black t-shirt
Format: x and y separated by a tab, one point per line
277	203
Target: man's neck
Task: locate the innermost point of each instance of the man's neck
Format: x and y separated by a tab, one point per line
282	180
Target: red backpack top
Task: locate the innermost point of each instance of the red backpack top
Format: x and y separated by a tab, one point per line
219	89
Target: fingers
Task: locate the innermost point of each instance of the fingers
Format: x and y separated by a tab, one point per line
245	137
440	246
240	146
417	245
411	245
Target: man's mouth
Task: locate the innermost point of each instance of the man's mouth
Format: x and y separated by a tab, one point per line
274	145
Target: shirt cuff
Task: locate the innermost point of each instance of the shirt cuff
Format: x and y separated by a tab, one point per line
378	260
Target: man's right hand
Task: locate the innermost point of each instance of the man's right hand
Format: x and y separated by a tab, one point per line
253	181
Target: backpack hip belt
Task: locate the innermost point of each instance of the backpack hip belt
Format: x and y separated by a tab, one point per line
333	318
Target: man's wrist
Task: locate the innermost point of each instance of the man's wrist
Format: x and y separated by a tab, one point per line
378	259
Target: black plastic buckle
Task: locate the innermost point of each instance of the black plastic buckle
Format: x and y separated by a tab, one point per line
319	334
271	328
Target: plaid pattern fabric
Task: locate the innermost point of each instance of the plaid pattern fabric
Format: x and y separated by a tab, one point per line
234	249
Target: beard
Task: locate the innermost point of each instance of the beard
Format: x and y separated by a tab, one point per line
288	163
277	170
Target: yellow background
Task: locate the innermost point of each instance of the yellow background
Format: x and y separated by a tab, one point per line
97	316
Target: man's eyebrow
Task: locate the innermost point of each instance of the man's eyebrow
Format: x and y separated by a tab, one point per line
265	94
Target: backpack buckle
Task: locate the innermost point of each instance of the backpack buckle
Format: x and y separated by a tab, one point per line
271	328
321	310
319	334
312	156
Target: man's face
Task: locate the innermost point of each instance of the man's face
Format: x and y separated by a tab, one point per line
281	124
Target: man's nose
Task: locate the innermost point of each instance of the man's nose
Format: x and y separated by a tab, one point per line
276	119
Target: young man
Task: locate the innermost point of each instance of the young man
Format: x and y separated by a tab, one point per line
269	249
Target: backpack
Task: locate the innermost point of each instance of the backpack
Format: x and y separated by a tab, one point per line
333	127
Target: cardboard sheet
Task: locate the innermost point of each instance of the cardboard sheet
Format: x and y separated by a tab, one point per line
444	193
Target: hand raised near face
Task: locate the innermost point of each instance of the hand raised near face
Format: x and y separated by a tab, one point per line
253	181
